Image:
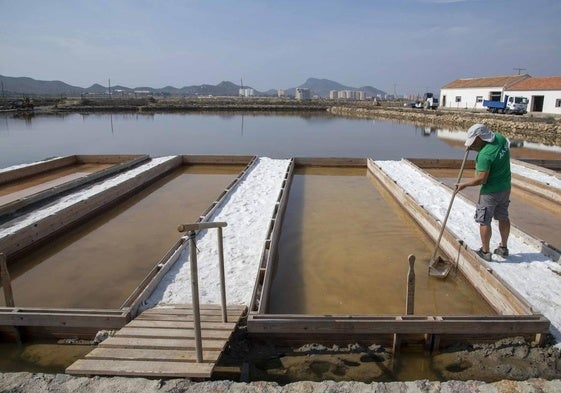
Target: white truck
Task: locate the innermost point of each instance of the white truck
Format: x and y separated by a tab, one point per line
516	105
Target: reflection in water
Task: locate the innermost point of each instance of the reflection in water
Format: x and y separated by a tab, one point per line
276	136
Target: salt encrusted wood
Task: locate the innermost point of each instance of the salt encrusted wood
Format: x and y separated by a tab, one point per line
122	163
48	226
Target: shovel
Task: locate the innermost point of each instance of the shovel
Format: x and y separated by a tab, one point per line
439	267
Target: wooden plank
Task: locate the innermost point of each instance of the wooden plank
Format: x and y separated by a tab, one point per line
128	331
109	158
261	291
188	317
151	354
35	168
330	161
216	159
232	310
160	343
140	368
64	318
174	324
332	325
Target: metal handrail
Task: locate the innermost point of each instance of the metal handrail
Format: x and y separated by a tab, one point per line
191	233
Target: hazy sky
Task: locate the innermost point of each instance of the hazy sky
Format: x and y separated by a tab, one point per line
406	46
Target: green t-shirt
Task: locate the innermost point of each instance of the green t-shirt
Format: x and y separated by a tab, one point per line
495	158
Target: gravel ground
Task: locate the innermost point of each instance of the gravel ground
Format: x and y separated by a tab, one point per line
33	383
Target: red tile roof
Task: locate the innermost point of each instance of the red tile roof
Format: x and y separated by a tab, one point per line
494	81
543	83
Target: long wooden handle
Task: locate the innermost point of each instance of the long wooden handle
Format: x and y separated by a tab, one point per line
449	206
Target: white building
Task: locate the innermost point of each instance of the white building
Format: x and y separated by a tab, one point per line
543	94
469	93
347	94
246	92
303	93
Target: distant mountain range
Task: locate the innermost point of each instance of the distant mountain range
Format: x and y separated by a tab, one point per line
15	86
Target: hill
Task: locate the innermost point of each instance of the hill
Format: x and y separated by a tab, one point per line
17	86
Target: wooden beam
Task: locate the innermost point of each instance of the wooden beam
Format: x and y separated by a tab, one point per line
329	162
66	318
351	325
6	281
35	168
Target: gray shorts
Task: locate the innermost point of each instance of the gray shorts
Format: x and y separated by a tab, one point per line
493	205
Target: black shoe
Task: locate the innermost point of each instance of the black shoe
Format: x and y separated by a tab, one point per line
484	255
501	251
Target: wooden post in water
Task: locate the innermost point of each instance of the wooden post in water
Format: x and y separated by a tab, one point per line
195	296
410	302
6	281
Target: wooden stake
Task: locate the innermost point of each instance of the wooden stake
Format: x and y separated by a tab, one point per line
6	282
195	296
410	303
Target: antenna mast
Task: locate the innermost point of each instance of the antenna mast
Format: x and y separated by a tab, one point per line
519	69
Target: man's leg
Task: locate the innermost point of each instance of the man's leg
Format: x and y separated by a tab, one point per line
504	229
485	232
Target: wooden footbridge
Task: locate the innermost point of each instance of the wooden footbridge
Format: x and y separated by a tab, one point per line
161	342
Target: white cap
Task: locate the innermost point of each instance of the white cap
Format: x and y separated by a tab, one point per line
479	130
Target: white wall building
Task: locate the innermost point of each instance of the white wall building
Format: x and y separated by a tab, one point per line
469	93
543	94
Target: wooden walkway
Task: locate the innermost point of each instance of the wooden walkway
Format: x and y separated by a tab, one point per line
160	343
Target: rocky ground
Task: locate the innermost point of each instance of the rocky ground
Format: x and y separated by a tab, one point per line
33	383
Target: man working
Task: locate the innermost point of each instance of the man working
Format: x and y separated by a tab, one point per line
492	172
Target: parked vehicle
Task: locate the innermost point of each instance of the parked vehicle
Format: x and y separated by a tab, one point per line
516	105
429	101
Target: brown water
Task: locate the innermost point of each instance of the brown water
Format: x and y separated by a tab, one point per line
533	215
344	250
31	185
99	263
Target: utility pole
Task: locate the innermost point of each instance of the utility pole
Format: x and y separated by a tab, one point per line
519	69
109	87
3	95
241	87
394	91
